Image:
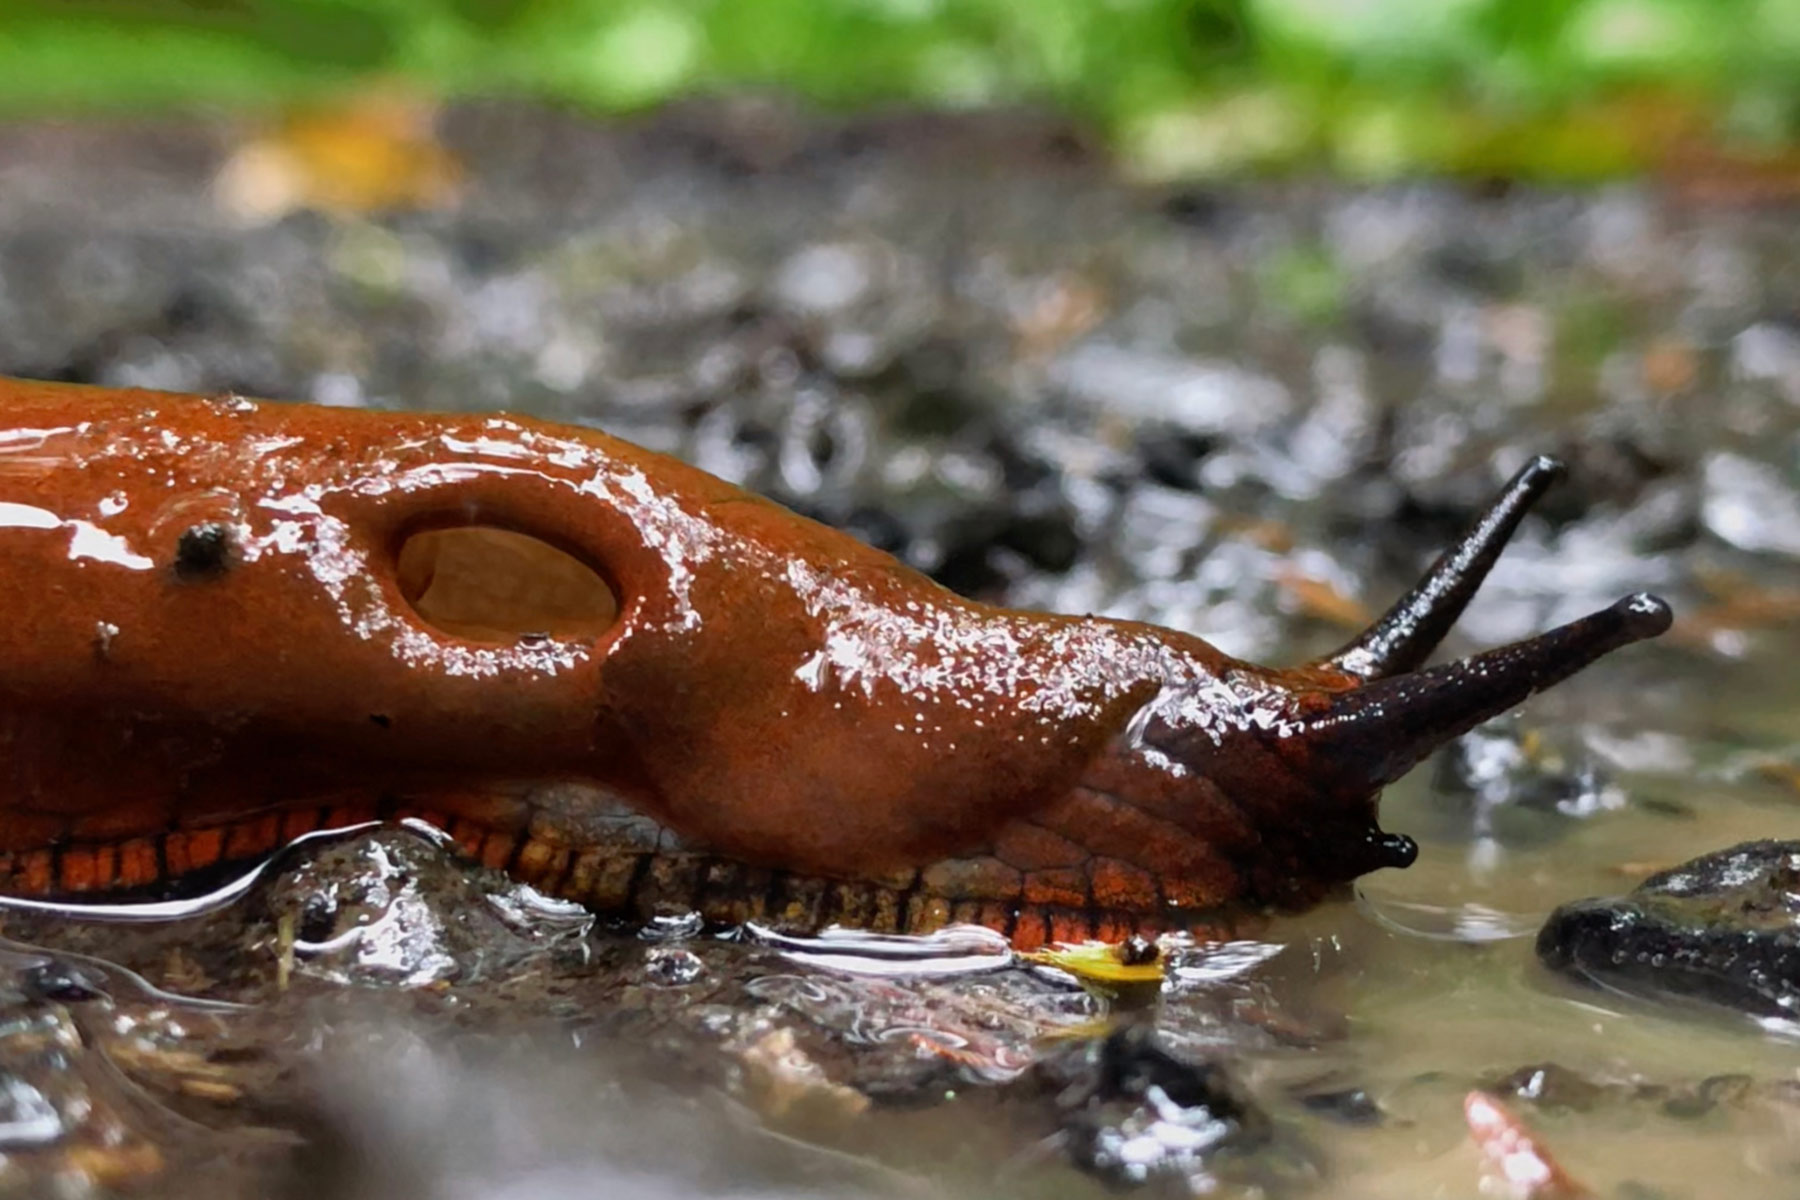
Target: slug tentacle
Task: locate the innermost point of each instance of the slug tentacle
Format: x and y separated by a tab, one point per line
1409	631
1267	784
1370	736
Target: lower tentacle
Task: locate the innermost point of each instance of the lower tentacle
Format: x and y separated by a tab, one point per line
1369	736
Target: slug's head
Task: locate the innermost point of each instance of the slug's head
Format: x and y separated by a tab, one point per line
1273	777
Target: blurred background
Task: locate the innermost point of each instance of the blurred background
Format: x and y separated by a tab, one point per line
1367	88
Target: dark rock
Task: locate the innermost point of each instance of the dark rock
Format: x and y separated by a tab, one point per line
1720	929
1710	1093
1553	1087
1472	267
1348	1106
1172	456
1134	1111
986	550
393	907
1200	209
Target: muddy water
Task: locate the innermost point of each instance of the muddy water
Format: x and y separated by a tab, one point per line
1253	413
1417	1004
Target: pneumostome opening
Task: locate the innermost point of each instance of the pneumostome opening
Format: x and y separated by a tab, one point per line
494	585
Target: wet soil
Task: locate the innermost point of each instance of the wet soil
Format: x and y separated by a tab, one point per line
1251	412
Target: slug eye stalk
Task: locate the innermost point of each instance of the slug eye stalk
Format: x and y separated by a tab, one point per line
1370	735
1408	632
1376	733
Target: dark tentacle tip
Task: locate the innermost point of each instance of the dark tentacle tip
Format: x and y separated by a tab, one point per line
1542	471
1644	615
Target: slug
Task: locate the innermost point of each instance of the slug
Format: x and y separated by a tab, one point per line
634	685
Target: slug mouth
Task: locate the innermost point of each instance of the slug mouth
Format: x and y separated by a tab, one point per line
1301	771
1303	763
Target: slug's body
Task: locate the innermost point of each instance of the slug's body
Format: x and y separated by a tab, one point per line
220	632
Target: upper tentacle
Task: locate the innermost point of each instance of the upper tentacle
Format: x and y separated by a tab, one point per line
1409	631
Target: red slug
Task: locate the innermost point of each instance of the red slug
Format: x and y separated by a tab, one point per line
634	685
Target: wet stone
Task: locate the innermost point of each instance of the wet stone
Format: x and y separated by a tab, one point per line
1349	1106
1550	1086
61	983
394	907
89	1082
1710	1093
1749	505
1722	929
671	966
1134	1112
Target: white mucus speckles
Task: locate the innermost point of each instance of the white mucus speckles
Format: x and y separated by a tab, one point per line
811	672
680	538
952	657
488	447
568	456
259	448
382	482
14	440
1217	705
87	541
1134	738
27	516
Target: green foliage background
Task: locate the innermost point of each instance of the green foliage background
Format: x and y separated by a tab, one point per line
1557	87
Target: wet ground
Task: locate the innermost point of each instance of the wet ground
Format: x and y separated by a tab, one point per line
1251	412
